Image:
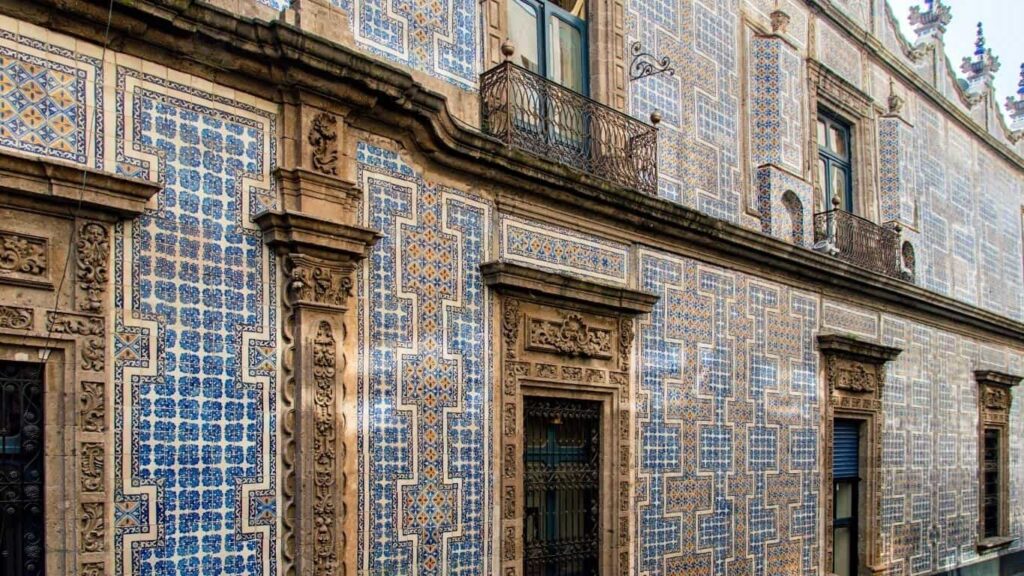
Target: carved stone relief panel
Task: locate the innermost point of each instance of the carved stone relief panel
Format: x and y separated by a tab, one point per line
24	259
92	252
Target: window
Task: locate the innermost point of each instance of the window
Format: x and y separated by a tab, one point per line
550	39
21	469
835	161
991	483
846	481
562	448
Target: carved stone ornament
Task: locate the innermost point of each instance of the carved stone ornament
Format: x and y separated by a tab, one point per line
780	21
15	318
91	252
320	284
894	102
324	451
996	399
91	527
91	407
995	394
91	569
510	325
92	467
93	347
853	376
626	336
323	137
571	337
22	255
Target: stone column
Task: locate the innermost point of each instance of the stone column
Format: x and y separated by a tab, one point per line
318	255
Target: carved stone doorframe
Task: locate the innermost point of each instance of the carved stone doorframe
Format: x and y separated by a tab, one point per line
995	398
854	376
568	338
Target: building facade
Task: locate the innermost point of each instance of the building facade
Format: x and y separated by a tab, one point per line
381	287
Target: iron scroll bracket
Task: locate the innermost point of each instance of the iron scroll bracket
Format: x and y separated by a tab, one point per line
646	64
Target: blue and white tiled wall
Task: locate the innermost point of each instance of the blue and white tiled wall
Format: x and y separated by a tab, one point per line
195	317
929	516
727	423
425	375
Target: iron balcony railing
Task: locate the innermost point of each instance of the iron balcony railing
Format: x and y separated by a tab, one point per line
534	114
863	243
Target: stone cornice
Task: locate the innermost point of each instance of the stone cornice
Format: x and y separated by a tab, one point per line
530	282
873	45
50	186
856	349
994	378
266	57
293	232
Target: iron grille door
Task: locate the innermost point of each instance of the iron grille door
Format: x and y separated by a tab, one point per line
562	454
990	484
21	469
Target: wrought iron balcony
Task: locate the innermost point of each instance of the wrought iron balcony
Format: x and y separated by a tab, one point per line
863	243
534	114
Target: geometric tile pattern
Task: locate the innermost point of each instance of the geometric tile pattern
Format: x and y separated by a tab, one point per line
698	139
784	203
440	38
195	346
968	239
50	100
896	171
929	519
424	392
837	53
776	98
563	250
727	366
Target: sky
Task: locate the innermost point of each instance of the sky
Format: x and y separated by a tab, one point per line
1001	20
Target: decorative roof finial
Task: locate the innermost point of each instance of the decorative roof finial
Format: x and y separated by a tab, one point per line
982	68
931	21
1015	106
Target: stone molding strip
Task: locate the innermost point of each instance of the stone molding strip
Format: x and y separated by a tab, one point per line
541	285
266	56
48	184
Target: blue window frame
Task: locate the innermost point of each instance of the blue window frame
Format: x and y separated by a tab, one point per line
551	40
835	161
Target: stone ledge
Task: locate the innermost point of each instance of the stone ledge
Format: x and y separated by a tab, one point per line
45	185
857	349
994	543
993	378
297	232
523	280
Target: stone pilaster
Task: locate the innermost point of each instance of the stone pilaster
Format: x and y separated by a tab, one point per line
318	255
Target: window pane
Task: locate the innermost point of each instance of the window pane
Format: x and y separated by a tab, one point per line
838	141
522	25
823	182
577	8
566	55
841	551
844	500
839	187
822	141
